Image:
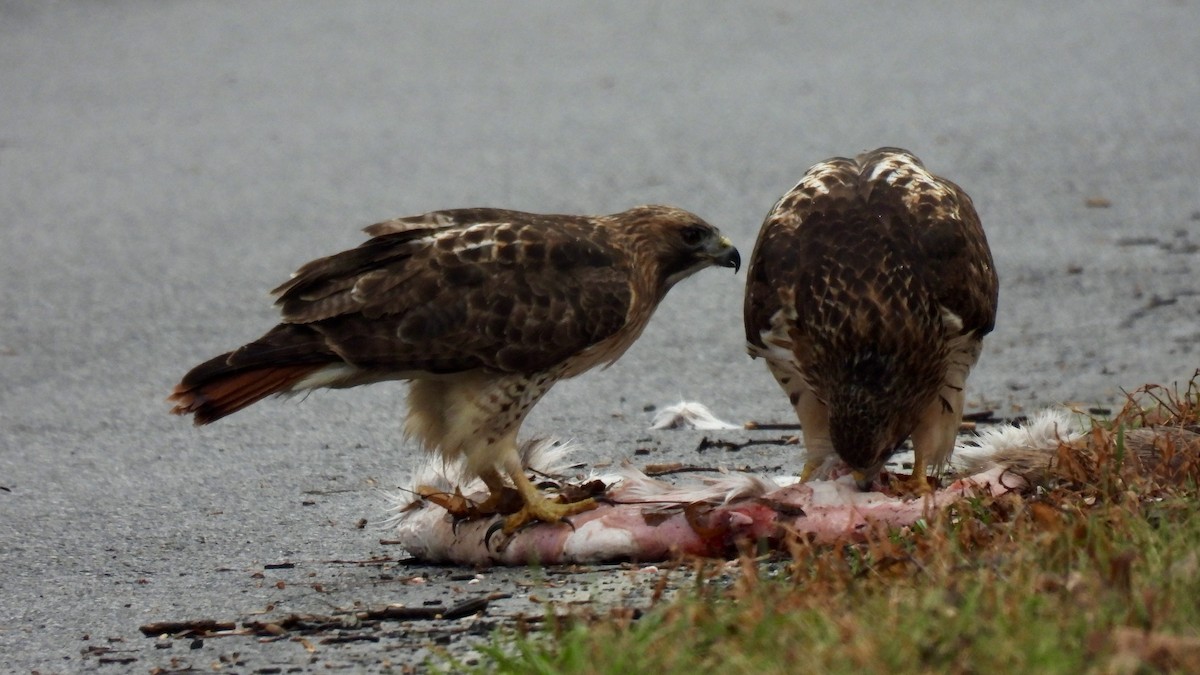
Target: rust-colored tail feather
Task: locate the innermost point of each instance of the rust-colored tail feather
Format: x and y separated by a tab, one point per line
271	364
226	393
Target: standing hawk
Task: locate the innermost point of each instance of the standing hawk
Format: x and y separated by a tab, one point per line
482	310
869	292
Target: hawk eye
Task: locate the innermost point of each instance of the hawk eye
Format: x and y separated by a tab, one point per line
693	235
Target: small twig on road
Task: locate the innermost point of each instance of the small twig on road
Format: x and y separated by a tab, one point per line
732	446
203	627
771	426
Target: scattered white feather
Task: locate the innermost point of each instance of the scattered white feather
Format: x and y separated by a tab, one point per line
637	487
1042	433
689	415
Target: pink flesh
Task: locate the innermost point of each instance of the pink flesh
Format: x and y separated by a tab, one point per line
823	511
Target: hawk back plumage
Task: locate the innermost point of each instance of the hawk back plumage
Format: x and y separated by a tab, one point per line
868	292
511	293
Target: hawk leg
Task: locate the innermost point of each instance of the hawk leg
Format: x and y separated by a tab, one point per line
501	498
933	439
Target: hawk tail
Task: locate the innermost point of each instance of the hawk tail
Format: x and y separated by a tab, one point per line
273	364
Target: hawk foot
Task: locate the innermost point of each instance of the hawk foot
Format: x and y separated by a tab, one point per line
544	510
917	485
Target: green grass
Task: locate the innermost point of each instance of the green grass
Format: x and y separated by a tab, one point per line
1098	573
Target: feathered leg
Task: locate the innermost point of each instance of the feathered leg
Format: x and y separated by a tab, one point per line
933	439
477	418
813	416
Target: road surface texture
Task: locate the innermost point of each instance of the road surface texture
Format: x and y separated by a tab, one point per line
164	164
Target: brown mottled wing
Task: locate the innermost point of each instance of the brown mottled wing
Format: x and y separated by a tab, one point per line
877	237
951	246
783	254
440	220
464	289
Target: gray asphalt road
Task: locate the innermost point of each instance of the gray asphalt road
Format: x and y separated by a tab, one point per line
163	164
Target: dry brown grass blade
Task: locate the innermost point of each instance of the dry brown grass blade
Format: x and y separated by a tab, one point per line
1151	447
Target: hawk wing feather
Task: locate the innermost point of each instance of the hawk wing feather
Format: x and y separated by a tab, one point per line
948	234
505	293
931	219
321	289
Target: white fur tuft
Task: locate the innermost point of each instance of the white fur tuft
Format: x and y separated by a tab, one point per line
1041	433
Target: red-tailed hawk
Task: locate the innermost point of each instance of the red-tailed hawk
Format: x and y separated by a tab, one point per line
869	292
482	310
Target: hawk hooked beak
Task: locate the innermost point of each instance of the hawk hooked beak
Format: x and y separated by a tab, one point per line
724	254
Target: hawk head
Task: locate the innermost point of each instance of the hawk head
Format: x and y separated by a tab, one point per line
675	243
874	397
866	429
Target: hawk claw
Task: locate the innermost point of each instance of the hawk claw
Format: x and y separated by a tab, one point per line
916	486
542	510
487	536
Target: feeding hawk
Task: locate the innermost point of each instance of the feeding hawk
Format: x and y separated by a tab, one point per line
868	294
481	310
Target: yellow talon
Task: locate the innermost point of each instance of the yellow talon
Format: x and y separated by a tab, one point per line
917	486
920	484
809	467
538	508
544	510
